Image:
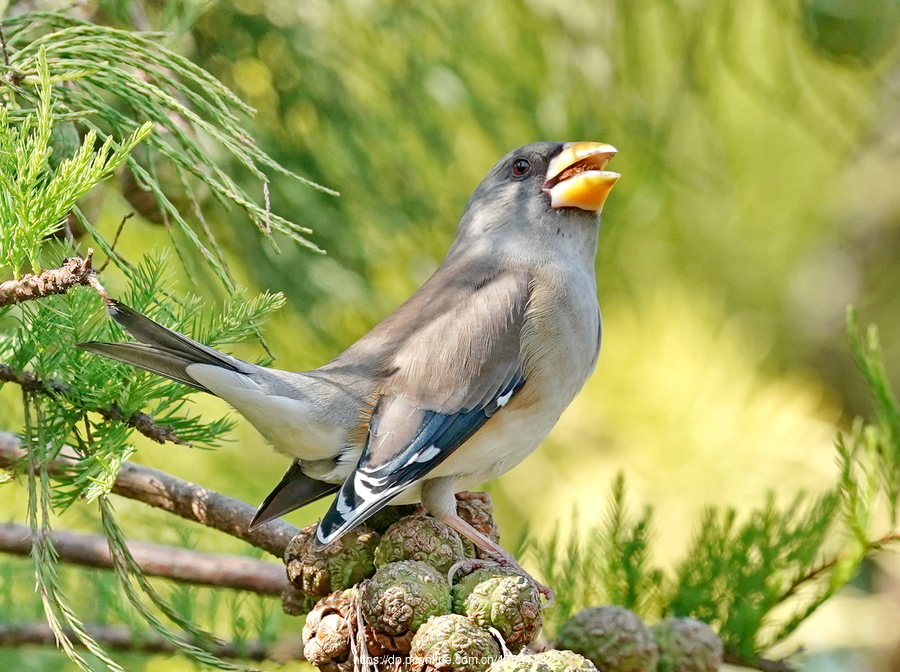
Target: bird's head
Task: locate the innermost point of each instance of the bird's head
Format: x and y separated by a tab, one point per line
540	187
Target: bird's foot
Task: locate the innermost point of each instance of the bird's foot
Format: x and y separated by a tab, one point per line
547	593
479	498
492	552
468	566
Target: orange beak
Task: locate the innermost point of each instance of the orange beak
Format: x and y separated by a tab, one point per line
576	177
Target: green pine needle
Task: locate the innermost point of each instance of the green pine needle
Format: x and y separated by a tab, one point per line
123	84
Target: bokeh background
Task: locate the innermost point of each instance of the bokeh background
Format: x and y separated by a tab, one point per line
760	152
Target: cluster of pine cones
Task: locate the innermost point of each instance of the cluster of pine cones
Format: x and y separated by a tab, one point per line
381	599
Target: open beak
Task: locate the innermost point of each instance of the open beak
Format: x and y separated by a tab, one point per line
576	177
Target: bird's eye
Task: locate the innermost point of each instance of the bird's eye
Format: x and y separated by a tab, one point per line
521	167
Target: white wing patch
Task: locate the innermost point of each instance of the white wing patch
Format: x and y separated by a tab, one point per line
426	454
344	506
504	398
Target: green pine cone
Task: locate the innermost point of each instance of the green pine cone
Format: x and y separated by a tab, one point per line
613	638
496	597
401	596
850	30
687	645
342	564
452	643
389	515
547	661
563	661
295	602
422	538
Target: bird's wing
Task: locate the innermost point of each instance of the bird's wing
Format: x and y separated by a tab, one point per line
441	386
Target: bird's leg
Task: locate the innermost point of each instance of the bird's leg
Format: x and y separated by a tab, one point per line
439	499
492	550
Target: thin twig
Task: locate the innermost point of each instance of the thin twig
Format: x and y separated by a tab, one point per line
762	664
3	46
11	77
268	208
121	639
178	564
74	271
143	423
115	240
182	498
824	567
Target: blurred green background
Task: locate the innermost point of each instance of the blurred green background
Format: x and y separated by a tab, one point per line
760	153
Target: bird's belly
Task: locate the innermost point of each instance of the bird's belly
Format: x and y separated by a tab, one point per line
504	441
290	427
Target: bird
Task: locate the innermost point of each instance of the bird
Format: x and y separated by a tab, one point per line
457	385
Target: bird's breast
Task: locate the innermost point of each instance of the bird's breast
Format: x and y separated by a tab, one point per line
560	340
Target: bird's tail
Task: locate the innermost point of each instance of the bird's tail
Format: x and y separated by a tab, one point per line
160	349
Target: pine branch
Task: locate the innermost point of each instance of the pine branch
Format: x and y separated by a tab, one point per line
31	382
115	79
761	664
61	617
142	422
74	271
178	564
138	590
122	639
184	499
825	567
203	506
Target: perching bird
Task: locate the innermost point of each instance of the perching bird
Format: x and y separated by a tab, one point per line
457	385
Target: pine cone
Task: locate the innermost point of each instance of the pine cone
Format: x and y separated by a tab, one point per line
547	661
402	596
503	599
389	515
295	602
341	564
326	633
423	538
452	643
613	638
687	645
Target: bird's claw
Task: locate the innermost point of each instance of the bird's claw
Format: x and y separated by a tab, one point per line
469	565
547	593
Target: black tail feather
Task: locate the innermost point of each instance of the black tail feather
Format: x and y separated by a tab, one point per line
296	489
160	349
